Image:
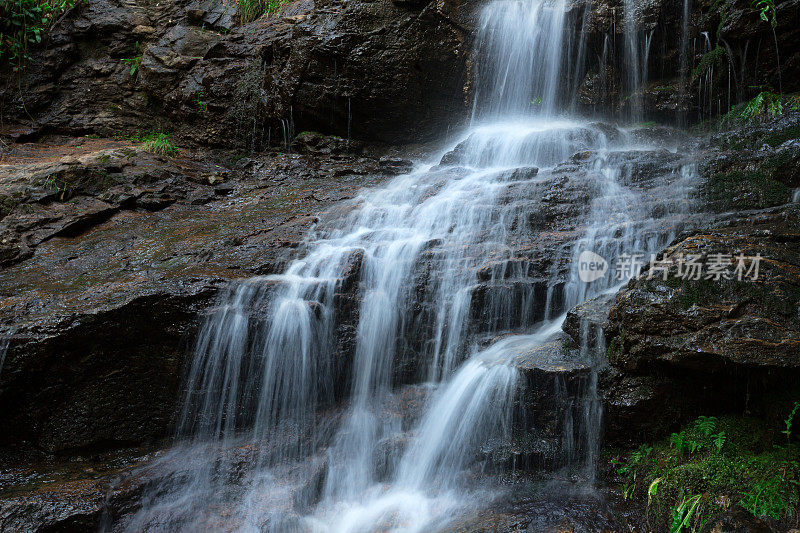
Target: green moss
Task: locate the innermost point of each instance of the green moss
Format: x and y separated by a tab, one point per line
694	292
776	139
615	347
7	204
740	189
566	347
714	59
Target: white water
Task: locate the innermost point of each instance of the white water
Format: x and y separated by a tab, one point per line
263	445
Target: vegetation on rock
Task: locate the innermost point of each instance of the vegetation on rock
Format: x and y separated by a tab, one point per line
766	10
159	143
24	23
711	466
250	10
135	61
716	58
742	189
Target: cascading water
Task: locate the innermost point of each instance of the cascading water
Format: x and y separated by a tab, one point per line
290	420
520	59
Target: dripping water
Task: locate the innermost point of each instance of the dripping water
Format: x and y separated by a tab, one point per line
684	59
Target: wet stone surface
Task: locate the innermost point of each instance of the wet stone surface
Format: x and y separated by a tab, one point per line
98	321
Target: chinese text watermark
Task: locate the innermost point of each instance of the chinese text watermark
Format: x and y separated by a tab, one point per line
716	266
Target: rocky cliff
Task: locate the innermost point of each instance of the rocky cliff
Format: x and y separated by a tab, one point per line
397	72
393	72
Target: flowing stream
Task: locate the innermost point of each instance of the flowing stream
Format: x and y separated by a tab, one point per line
358	390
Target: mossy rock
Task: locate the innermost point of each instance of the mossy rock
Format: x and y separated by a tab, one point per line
751	180
743	189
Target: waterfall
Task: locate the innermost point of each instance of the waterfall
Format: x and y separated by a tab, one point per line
632	54
520	60
423	287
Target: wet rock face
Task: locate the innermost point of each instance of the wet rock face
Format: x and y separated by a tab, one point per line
679	348
555	378
553	507
695	345
707	324
369	70
91	382
51	190
738	24
677	86
690	345
380	71
99	319
638	408
43	493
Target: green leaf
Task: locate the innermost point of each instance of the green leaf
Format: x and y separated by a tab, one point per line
652	490
719	440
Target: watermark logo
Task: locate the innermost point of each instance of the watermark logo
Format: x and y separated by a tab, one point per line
715	266
591	266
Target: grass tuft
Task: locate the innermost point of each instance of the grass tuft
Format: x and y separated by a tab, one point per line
250	10
159	143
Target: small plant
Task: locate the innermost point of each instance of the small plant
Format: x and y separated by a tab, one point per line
50	182
60	186
788	422
706	425
24	23
159	143
768	13
250	10
642	453
682	514
765	103
719	440
202	105
766	10
652	490
135	61
677	441
684	444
